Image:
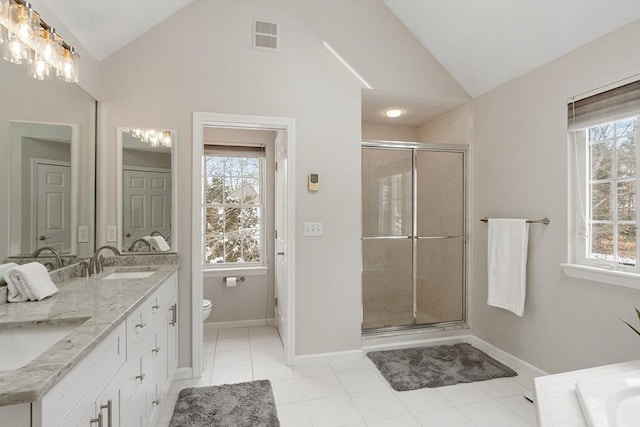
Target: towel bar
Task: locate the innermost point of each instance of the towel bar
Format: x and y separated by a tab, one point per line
544	221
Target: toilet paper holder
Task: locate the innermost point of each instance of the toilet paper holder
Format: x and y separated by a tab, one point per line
239	279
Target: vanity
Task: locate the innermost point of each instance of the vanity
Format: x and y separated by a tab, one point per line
108	348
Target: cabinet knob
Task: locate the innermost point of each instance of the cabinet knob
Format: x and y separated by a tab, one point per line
141	325
156	350
156	402
141	377
155	307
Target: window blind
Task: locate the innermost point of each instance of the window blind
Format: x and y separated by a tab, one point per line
247	151
617	103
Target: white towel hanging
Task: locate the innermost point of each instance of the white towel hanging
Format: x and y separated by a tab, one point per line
507	263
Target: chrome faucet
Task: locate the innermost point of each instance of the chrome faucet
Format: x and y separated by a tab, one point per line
141	240
95	263
85	271
53	251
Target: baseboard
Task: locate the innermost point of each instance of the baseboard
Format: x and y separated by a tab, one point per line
308	359
241	323
505	357
183	374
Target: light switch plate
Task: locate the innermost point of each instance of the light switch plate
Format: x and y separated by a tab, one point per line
112	233
313	229
83	234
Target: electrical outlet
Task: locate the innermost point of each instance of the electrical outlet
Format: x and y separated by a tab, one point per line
313	229
83	234
112	233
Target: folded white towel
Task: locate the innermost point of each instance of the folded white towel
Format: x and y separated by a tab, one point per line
507	263
14	288
3	269
158	243
33	281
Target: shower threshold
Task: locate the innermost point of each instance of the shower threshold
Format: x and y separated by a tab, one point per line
412	329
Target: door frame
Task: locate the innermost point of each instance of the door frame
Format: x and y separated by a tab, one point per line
456	148
223	120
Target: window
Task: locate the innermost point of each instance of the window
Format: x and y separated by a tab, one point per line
604	131
612	191
233	207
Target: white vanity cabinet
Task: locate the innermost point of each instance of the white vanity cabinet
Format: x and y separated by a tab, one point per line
119	383
146	377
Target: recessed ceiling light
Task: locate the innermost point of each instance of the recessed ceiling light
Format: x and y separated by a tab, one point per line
393	113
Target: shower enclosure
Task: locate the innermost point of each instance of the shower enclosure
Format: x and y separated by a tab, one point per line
414	235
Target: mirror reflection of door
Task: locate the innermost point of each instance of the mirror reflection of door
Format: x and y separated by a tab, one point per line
53	193
146	187
42	188
146	204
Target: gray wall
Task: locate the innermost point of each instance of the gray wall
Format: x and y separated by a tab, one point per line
520	170
254	298
302	80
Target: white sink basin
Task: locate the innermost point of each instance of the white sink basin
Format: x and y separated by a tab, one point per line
20	345
128	275
611	401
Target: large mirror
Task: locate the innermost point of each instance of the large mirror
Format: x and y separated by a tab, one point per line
146	186
47	169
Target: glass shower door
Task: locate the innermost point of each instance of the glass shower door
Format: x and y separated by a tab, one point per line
387	242
440	233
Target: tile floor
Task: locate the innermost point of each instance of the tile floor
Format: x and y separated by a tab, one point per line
352	392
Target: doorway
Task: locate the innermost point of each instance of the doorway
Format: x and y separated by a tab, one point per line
414	235
284	263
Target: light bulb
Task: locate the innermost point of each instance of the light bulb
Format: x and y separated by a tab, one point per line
393	113
68	68
16	52
40	69
23	21
49	46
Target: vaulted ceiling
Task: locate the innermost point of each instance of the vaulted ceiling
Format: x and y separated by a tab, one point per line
481	43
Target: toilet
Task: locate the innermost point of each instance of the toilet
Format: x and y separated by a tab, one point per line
206	309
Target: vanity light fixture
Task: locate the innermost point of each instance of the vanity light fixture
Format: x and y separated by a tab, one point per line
153	137
393	113
27	39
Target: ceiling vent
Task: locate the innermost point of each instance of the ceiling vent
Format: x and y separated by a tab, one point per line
265	35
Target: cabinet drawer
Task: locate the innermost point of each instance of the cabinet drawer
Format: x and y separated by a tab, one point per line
140	322
166	293
90	376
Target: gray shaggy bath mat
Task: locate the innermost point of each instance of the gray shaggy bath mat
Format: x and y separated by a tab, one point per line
414	368
248	404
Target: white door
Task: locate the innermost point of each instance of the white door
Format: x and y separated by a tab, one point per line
146	204
53	203
281	237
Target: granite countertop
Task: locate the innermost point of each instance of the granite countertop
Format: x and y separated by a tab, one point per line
96	305
557	403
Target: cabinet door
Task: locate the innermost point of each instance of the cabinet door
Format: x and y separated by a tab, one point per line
108	405
154	395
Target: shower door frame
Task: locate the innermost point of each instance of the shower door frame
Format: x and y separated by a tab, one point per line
415	147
